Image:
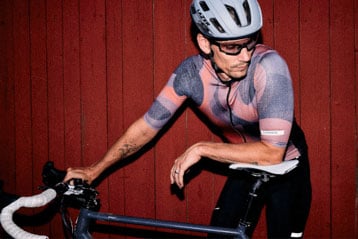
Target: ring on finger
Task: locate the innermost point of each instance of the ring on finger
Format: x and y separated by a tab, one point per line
176	171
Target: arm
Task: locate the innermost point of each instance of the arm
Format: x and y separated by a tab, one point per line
260	153
141	131
136	136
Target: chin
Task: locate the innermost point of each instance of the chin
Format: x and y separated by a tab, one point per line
239	75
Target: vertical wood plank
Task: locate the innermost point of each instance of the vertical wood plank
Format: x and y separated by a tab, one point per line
4	29
356	149
315	109
72	90
356	112
343	121
168	28
22	86
39	107
38	87
55	79
267	8
72	85
7	143
93	80
23	111
138	94
93	87
115	97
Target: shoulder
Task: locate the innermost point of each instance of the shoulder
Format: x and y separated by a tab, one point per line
273	85
270	60
270	72
190	65
187	78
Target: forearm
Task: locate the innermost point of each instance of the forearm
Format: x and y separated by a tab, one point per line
135	137
255	152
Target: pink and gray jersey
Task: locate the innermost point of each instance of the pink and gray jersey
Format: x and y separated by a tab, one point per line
257	107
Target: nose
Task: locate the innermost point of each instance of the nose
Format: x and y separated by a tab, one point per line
245	54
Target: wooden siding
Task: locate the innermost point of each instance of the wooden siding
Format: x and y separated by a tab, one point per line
75	74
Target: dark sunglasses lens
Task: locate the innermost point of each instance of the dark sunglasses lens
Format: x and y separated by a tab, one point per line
235	49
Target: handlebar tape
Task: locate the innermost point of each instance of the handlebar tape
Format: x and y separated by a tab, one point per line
31	202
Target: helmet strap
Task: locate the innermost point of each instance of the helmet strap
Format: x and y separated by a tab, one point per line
218	70
215	66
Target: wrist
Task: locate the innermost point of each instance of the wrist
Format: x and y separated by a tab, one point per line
95	170
201	148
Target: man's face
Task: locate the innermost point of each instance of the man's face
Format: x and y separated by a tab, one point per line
233	57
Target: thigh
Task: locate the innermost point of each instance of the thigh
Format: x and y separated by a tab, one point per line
288	203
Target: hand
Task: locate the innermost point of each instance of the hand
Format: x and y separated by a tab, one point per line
190	157
84	173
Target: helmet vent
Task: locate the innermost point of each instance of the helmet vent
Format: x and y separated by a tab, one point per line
233	14
204	6
236	18
247	11
217	25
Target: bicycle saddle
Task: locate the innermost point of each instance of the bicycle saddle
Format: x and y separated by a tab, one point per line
276	169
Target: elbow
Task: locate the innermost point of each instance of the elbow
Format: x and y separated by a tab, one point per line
273	154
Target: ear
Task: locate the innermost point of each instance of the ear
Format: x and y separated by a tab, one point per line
203	43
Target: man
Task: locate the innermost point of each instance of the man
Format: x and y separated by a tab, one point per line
245	89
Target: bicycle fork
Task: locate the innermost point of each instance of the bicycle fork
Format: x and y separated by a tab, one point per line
82	226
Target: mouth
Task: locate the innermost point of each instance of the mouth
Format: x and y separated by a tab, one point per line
242	67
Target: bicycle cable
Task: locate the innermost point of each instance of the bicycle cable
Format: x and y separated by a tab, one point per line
231	114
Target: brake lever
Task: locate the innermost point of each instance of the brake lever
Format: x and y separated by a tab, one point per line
78	193
81	194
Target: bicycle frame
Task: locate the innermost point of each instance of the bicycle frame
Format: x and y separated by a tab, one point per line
87	215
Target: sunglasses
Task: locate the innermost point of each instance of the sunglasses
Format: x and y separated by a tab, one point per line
234	49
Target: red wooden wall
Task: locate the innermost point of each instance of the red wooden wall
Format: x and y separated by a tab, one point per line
75	74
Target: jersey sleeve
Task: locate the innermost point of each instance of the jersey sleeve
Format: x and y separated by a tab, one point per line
184	83
164	106
275	99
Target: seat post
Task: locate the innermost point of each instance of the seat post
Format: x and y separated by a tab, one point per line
262	173
261	178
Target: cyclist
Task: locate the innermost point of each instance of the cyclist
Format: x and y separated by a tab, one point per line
245	89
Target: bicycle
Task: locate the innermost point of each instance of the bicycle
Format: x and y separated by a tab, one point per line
81	195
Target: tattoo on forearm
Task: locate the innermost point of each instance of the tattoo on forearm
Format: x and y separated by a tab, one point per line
128	149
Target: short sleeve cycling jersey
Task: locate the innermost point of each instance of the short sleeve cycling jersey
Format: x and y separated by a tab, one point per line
258	107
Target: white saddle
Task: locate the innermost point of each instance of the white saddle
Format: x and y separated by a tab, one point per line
276	169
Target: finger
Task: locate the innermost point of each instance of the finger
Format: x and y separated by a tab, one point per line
69	178
179	174
73	174
181	180
172	175
68	175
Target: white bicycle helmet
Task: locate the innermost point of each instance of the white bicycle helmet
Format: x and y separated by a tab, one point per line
226	19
